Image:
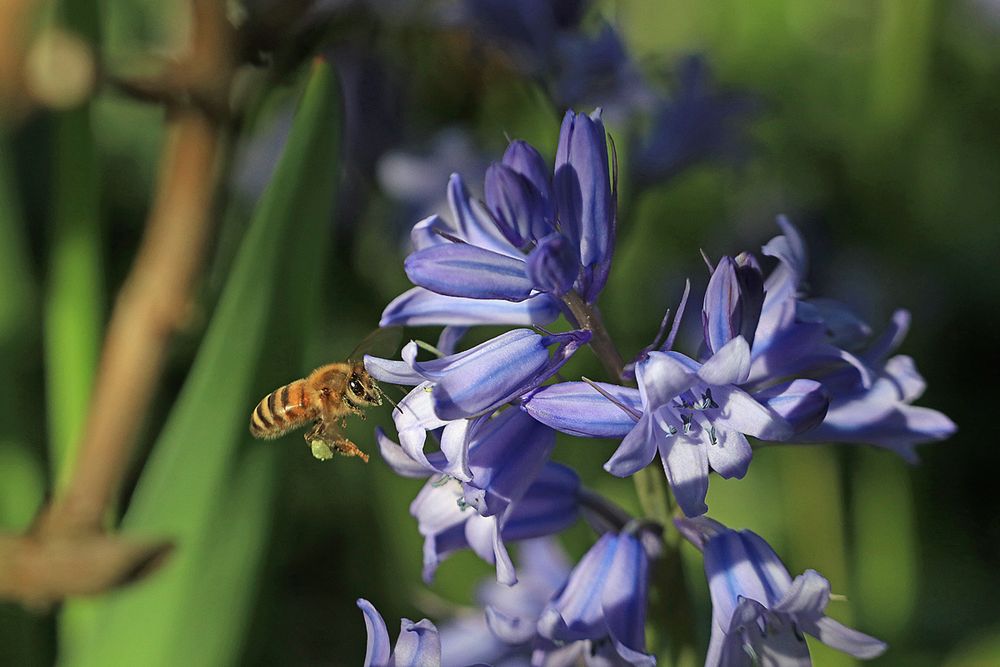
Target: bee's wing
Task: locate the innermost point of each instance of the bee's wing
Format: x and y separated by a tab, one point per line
383	342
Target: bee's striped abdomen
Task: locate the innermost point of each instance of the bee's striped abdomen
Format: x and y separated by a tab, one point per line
281	411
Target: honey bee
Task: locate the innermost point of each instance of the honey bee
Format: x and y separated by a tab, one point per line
325	397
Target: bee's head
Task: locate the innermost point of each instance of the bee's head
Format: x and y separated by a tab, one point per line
362	388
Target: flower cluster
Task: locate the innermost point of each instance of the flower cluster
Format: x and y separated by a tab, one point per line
480	423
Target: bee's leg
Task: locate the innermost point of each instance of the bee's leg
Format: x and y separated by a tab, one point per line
348	448
320	441
354	410
317	432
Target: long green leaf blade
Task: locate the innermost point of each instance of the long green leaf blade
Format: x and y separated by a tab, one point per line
197	488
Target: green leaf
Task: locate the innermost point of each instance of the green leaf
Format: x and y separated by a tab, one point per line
208	486
74	302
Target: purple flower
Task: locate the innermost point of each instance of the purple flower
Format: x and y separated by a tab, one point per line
586	203
525	31
870	391
694	415
484	377
418	644
698	123
533	240
449	522
505	634
597	70
881	414
602	608
758	611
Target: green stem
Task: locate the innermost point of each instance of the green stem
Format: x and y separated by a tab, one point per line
670	598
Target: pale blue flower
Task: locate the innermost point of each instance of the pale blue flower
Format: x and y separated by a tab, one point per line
418	644
759	612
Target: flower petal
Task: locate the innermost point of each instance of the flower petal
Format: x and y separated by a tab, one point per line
400	462
844	327
636	450
414	416
892	338
579	409
429	232
839	636
436	507
877	417
662	376
781	645
623	600
582	186
902	370
499	370
479	533
392	371
740	565
732	302
739	411
516	204
793	264
730	455
511	629
474	224
528	162
698	530
420	307
729	365
379	652
550	504
465	270
553	265
451	335
455	448
418	645
685	462
576	612
505	457
801	403
806	598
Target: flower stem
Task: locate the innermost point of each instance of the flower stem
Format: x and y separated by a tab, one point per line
589	317
670	599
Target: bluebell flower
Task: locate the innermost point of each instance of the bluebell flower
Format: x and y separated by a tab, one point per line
449	521
483	378
694	415
597	70
699	122
880	413
601	611
418	644
534	239
759	612
525	31
586	203
870	391
503	632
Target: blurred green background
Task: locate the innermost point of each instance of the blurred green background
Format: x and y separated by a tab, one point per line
877	129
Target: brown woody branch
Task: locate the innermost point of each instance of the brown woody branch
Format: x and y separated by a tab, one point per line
68	552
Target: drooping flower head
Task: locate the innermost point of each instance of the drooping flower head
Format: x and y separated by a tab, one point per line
504	630
602	608
870	392
759	612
